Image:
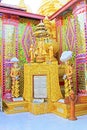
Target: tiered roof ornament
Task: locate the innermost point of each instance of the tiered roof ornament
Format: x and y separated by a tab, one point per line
24	6
41	31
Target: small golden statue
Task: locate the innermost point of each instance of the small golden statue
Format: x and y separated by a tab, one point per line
68	79
66	55
40	53
15	74
31	53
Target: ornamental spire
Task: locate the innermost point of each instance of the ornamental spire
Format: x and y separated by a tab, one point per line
22	4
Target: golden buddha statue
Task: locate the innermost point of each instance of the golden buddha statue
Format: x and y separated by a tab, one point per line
15	74
40	33
68	79
40	53
31	53
45	47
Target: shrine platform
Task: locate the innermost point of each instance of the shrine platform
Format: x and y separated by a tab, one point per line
15	107
63	110
59	108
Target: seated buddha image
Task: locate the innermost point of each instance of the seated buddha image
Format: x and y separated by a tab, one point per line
40	53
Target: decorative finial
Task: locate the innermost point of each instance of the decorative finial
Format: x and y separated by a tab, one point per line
22	4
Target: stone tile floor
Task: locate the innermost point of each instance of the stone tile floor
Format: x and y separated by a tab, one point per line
28	121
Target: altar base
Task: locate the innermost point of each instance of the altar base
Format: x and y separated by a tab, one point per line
63	110
15	107
41	108
60	109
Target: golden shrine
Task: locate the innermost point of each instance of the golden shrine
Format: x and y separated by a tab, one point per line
41	88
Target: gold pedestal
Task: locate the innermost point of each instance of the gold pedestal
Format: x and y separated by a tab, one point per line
52	86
